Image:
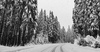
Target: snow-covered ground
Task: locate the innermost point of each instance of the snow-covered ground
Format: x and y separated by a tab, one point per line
61	47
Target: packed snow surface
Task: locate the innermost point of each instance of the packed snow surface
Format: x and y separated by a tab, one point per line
61	47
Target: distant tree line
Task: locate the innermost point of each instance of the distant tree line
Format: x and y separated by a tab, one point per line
49	26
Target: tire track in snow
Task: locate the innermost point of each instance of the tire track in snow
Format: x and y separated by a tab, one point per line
46	48
51	47
54	48
61	48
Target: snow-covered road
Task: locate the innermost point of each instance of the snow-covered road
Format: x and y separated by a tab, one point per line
62	47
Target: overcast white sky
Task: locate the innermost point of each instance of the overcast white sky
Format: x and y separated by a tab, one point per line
61	8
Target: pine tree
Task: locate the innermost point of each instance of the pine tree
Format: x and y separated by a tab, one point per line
70	35
48	26
62	34
18	19
86	17
40	21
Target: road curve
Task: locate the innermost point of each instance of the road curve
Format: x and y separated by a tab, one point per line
62	47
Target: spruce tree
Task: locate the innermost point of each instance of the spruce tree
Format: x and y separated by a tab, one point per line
86	17
18	21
